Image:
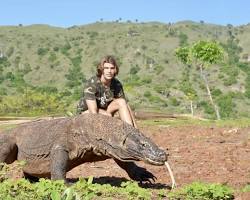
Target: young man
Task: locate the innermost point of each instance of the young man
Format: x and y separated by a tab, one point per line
104	93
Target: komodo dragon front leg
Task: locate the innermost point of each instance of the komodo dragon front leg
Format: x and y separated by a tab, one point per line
8	149
135	172
59	162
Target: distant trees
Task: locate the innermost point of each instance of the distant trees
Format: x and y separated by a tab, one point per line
75	77
134	69
42	51
183	39
31	102
203	54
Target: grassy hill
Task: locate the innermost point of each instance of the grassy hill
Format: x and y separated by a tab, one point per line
42	68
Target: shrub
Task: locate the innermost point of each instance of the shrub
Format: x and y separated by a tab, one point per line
216	92
147	94
65	49
3	91
52	57
229	81
208	109
83	189
203	191
183	38
42	51
74	77
146	80
92	34
76	61
174	101
32	102
159	69
10	51
226	105
4	62
134	69
56	48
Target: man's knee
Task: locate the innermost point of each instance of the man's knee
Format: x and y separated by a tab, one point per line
121	102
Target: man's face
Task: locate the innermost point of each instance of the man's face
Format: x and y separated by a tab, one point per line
109	71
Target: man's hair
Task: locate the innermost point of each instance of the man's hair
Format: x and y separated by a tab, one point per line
106	59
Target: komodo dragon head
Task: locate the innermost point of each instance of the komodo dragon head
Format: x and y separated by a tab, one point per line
136	146
126	143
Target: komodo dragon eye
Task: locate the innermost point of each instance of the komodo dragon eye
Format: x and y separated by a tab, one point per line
144	144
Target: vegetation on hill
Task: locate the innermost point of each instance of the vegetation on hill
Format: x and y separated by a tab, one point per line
43	68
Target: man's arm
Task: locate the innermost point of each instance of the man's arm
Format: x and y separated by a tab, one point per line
92	106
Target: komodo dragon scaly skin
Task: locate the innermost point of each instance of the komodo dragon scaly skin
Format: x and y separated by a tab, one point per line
53	147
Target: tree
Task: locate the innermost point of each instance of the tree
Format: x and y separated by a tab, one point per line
203	54
206	53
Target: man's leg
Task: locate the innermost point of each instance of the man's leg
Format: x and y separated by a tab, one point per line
121	106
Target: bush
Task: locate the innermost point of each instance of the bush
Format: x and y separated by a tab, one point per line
32	103
4	62
65	49
75	77
42	51
216	92
208	109
146	80
226	105
174	101
10	51
83	189
230	81
134	69
133	80
52	57
183	39
158	69
147	94
16	79
3	91
76	61
203	191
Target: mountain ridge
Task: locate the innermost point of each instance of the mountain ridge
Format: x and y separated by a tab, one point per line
38	57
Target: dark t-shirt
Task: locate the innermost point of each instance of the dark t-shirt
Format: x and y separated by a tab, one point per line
95	90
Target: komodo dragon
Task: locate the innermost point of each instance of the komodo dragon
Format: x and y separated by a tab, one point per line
53	147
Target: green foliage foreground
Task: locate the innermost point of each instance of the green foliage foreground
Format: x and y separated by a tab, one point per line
86	189
46	189
203	191
56	190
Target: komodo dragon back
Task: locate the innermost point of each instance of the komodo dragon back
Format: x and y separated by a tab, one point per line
35	139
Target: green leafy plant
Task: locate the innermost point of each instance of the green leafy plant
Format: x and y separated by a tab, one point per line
202	191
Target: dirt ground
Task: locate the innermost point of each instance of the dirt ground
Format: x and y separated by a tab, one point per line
208	154
196	153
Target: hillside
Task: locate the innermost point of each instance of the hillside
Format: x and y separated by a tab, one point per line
42	68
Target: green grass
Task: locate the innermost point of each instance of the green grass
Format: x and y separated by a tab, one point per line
240	123
203	191
246	188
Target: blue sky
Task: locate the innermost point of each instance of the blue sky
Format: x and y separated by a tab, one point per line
65	13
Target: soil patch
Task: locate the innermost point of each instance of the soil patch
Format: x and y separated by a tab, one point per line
216	155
